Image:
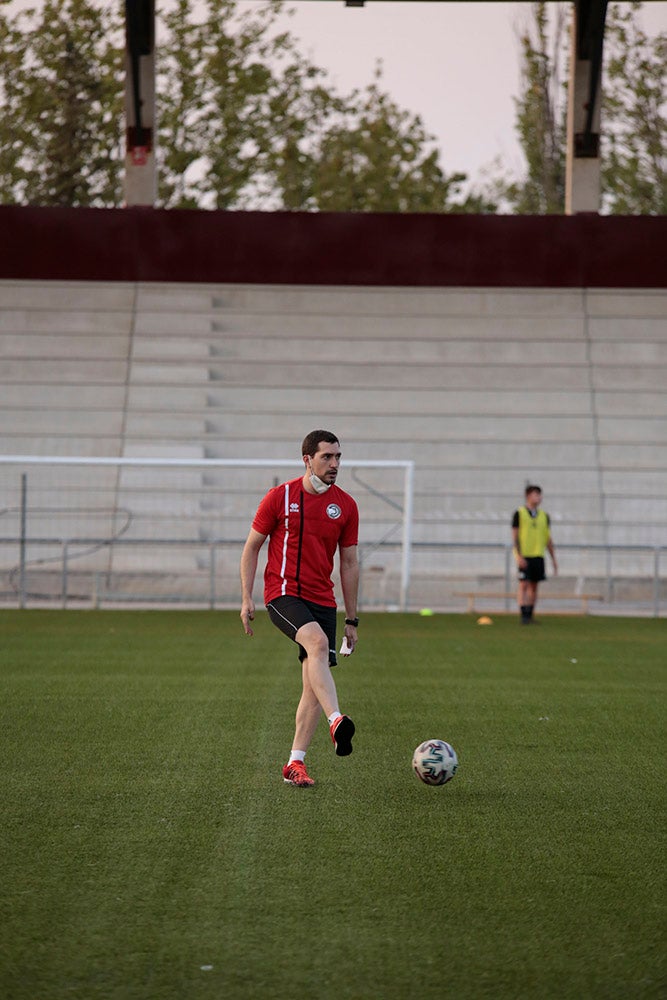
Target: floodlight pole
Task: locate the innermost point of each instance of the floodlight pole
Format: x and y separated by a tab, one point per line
140	167
582	166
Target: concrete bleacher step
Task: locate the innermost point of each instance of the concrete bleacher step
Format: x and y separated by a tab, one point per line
55	347
89	323
487	402
61	445
366	300
634	378
51	297
434	351
637	430
481	388
28	422
388	326
399	376
629	403
636	456
403	427
79	370
427	454
21	397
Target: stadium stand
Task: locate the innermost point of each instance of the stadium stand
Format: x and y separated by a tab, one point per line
483	388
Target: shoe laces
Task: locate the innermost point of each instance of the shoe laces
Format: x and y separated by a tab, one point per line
297	771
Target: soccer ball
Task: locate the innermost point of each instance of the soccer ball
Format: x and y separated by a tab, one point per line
435	762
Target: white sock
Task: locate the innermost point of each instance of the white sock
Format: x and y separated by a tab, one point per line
332	718
297	755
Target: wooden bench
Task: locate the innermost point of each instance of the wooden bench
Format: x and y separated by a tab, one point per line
475	595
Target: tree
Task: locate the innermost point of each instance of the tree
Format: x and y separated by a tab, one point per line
633	96
541	119
542	115
244	120
634	136
61	100
14	129
252	123
179	109
367	154
218	78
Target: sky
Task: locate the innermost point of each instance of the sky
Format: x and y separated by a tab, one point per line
456	64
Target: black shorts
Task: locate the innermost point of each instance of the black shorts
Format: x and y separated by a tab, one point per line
290	613
534	571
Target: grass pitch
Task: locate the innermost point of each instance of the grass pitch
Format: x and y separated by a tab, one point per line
152	852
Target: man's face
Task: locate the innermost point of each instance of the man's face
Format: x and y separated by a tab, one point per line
533	499
324	464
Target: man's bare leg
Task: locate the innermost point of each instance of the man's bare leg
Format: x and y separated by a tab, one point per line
308	713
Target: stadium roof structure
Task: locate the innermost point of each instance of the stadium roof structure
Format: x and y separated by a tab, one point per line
582	192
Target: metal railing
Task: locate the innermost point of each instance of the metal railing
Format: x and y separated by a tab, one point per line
111	507
68	572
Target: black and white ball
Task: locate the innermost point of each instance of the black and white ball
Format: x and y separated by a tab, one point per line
435	762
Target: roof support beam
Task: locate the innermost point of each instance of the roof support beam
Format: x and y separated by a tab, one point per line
582	180
140	168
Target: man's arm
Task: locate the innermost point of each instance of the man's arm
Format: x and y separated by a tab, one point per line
248	567
552	553
520	561
349	581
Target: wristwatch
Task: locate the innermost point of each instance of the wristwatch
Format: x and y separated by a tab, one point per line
352	621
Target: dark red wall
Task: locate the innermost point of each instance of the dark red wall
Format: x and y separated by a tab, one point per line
137	244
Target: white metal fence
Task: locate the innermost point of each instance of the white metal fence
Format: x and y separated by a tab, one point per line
97	572
164	529
168	532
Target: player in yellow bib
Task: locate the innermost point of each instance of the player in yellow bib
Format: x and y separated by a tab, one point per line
531	536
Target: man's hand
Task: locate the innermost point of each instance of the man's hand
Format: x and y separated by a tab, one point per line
247	616
351	636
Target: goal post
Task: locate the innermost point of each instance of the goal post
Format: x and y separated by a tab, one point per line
108	505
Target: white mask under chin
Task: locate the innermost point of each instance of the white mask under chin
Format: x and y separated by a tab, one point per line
318	485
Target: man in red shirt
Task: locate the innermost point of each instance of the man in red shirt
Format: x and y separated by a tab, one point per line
306	520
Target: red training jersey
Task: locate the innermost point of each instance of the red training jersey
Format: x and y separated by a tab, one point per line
304	532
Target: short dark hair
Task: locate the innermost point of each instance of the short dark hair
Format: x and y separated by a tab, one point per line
311	441
532	488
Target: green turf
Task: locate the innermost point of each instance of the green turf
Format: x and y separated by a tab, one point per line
151	850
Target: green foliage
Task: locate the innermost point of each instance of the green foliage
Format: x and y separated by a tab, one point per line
244	120
634	98
367	155
179	108
255	123
152	852
61	100
634	151
541	119
218	77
